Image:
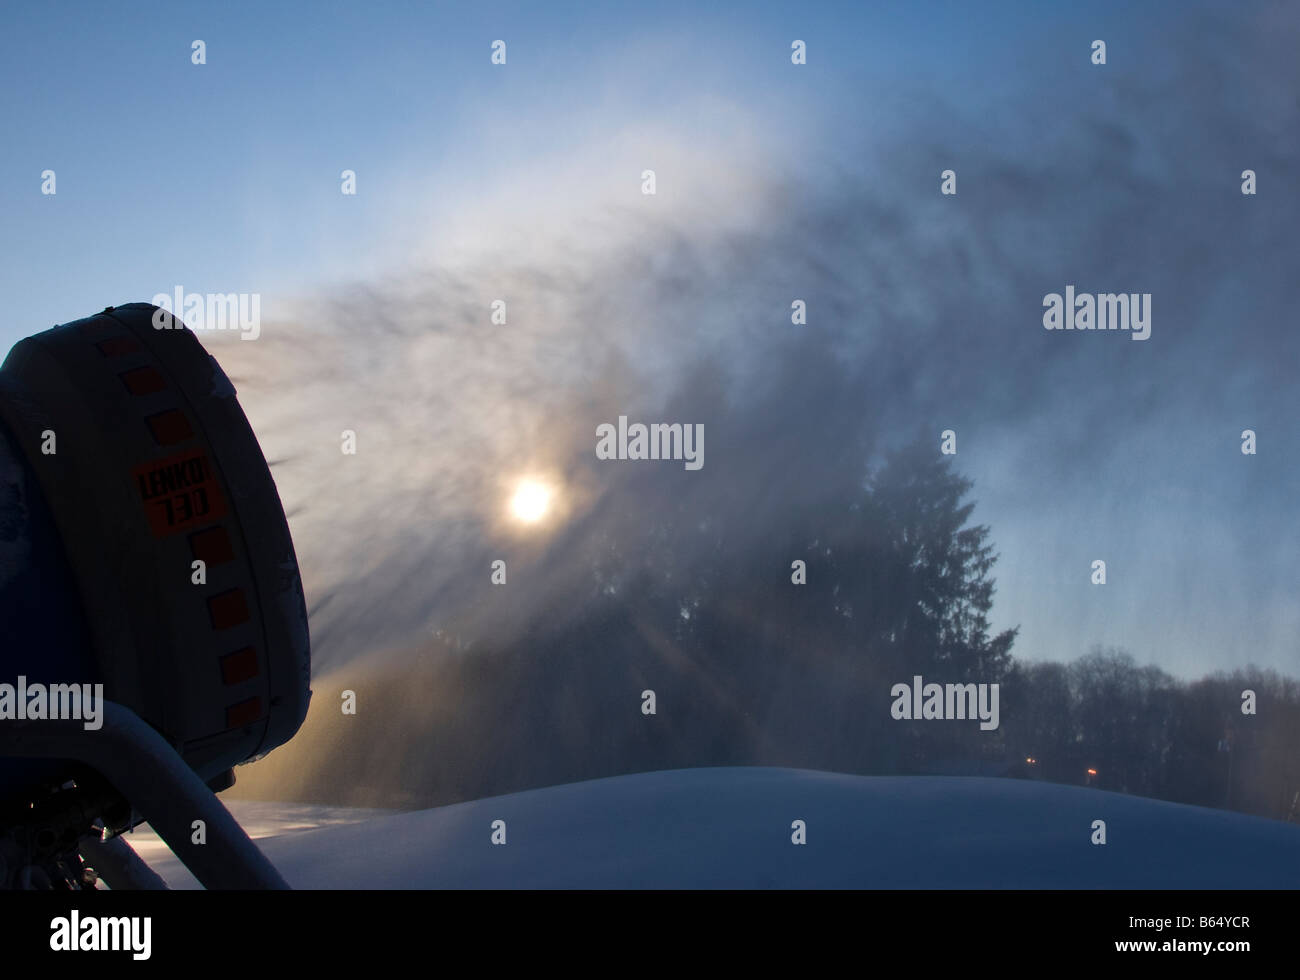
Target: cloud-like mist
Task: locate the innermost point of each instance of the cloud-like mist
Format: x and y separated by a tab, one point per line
924	313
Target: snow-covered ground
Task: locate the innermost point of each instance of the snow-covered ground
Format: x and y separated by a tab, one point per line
731	828
260	820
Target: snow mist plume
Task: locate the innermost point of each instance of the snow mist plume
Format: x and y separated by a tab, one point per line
924	313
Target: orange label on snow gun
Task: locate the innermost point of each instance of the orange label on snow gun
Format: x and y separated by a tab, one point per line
179	493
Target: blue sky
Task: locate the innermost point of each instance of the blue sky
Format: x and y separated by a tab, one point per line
226	175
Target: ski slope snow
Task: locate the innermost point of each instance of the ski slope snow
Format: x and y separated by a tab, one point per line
732	828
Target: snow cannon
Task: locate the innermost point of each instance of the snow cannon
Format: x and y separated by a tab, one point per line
154	630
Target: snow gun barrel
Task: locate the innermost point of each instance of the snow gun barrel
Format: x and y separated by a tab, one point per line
145	560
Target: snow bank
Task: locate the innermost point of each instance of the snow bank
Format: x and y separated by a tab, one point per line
731	828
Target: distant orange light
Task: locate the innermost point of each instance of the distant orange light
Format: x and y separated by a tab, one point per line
1092	772
1030	761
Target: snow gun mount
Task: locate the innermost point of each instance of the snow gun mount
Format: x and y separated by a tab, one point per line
153	633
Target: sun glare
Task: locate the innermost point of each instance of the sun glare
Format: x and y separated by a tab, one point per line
530	502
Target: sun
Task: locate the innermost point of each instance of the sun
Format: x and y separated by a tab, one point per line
531	501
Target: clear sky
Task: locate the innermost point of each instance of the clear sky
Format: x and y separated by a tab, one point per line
225	177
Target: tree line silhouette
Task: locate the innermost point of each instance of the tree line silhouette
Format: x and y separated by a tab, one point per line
748	668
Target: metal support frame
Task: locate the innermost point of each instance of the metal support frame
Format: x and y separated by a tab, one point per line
156	781
116	862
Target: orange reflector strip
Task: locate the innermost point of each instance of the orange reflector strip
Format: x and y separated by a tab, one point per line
143	381
239	666
228	609
117	346
244	713
212	546
169	428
